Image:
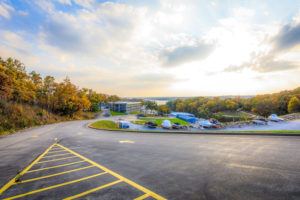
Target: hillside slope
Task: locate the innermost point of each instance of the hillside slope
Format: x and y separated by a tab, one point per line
16	116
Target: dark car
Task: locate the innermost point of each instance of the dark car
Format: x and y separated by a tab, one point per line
140	115
150	125
262	119
176	125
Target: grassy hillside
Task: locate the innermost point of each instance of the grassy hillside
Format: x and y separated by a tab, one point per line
15	116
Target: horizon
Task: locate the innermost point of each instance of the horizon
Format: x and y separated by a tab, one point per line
288	89
161	48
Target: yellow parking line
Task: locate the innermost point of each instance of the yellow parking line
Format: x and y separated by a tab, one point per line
117	175
35	170
56	155
56	159
65	172
142	197
92	190
12	181
54	186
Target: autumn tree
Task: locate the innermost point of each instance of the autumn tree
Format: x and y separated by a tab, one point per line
163	109
294	105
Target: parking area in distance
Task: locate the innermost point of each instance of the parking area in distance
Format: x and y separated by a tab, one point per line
60	173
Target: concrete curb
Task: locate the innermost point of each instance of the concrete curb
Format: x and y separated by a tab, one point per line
197	132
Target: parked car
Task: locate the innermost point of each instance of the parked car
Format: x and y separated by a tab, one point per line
206	124
124	124
107	114
166	124
150	124
216	123
185	127
275	118
140	115
259	121
176	125
264	120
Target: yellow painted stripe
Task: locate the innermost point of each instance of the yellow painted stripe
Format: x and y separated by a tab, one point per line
56	159
56	151
54	186
65	172
12	181
116	175
56	155
142	197
92	190
35	170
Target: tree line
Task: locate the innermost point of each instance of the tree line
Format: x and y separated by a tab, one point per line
283	102
62	98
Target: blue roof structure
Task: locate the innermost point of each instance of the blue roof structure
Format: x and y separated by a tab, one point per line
187	118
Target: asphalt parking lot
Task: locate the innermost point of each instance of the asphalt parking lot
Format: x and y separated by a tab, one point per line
92	164
60	173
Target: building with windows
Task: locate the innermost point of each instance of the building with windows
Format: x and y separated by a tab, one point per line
125	107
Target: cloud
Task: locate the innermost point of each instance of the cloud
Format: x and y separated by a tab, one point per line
64	36
93	32
5	10
68	2
264	63
148	81
85	3
172	57
284	42
45	5
287	38
243	12
14	41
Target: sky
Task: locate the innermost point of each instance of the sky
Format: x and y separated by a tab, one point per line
142	48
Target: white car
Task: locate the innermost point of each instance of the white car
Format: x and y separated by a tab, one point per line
166	124
275	118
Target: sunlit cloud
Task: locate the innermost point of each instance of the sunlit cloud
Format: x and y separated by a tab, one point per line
157	48
5	10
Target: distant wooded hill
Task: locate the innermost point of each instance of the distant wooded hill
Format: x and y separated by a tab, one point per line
283	102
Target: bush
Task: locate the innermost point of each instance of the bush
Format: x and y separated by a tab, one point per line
25	123
94	108
41	113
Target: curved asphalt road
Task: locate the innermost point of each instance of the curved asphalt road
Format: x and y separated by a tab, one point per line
175	166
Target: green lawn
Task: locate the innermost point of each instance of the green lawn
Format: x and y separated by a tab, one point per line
233	113
105	124
113	113
135	113
159	121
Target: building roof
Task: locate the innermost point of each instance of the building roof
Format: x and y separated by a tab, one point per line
126	102
181	113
